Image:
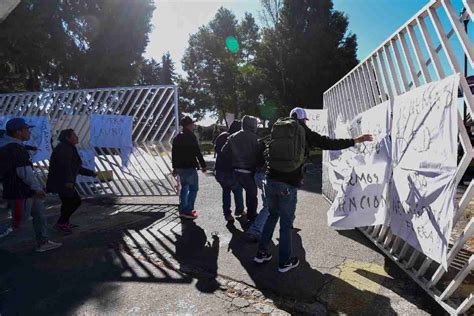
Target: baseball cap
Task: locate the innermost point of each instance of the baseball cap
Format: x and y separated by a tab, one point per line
300	114
185	121
16	124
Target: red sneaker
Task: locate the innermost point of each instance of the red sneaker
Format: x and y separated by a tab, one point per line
191	215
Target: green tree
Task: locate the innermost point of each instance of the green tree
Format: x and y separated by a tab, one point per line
150	73
57	44
306	48
168	74
222	78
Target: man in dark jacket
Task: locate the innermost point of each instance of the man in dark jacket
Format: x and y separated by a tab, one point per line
64	167
21	188
281	193
186	158
225	175
245	149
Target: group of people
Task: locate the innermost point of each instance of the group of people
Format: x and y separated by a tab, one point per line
25	194
246	163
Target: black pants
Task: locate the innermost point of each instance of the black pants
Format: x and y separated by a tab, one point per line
247	181
69	204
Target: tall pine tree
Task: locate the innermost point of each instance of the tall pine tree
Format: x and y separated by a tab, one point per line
306	48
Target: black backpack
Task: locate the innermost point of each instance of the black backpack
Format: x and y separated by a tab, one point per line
287	147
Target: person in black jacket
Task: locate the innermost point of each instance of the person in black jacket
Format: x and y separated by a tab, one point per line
281	193
21	188
186	159
64	167
225	175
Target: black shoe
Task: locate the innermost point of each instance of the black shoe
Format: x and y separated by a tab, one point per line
251	217
262	257
240	214
291	264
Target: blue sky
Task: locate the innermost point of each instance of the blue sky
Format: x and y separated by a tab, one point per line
173	21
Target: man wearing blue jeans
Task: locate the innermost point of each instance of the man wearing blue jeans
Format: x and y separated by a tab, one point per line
281	186
255	230
186	158
21	188
225	175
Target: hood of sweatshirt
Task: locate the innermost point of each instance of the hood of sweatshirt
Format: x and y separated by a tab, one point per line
5	140
249	124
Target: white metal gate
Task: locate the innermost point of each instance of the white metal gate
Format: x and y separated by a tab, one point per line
430	46
154	110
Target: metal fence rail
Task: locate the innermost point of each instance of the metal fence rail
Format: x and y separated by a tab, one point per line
154	110
429	46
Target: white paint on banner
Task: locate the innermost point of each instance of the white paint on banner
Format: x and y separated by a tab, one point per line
112	131
424	153
40	135
365	171
318	121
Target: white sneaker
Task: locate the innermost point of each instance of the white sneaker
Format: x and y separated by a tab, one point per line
49	245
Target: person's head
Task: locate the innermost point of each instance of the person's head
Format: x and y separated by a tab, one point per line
17	128
299	114
249	124
187	123
235	127
68	136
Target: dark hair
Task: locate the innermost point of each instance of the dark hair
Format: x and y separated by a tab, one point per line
65	134
185	121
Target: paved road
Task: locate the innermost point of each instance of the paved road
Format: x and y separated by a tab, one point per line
136	256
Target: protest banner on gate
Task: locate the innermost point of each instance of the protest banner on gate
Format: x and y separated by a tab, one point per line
88	161
424	156
365	171
317	121
112	131
40	135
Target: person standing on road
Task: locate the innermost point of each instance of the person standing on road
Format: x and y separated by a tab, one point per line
225	175
64	167
21	188
186	159
287	150
245	149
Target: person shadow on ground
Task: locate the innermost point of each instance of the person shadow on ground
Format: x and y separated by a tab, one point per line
197	256
304	284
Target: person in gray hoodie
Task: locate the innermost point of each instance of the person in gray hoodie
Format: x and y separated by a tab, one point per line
245	150
21	188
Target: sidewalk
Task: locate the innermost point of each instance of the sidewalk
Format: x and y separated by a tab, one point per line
141	258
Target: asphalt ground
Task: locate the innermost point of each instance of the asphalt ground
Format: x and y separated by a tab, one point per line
136	256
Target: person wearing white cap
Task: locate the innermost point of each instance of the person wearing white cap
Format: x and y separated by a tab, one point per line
288	148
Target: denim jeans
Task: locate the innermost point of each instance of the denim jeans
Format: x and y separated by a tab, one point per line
189	187
257	226
229	184
247	181
281	199
22	209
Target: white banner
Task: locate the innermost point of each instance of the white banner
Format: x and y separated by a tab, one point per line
40	135
317	121
88	161
424	151
112	131
365	172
